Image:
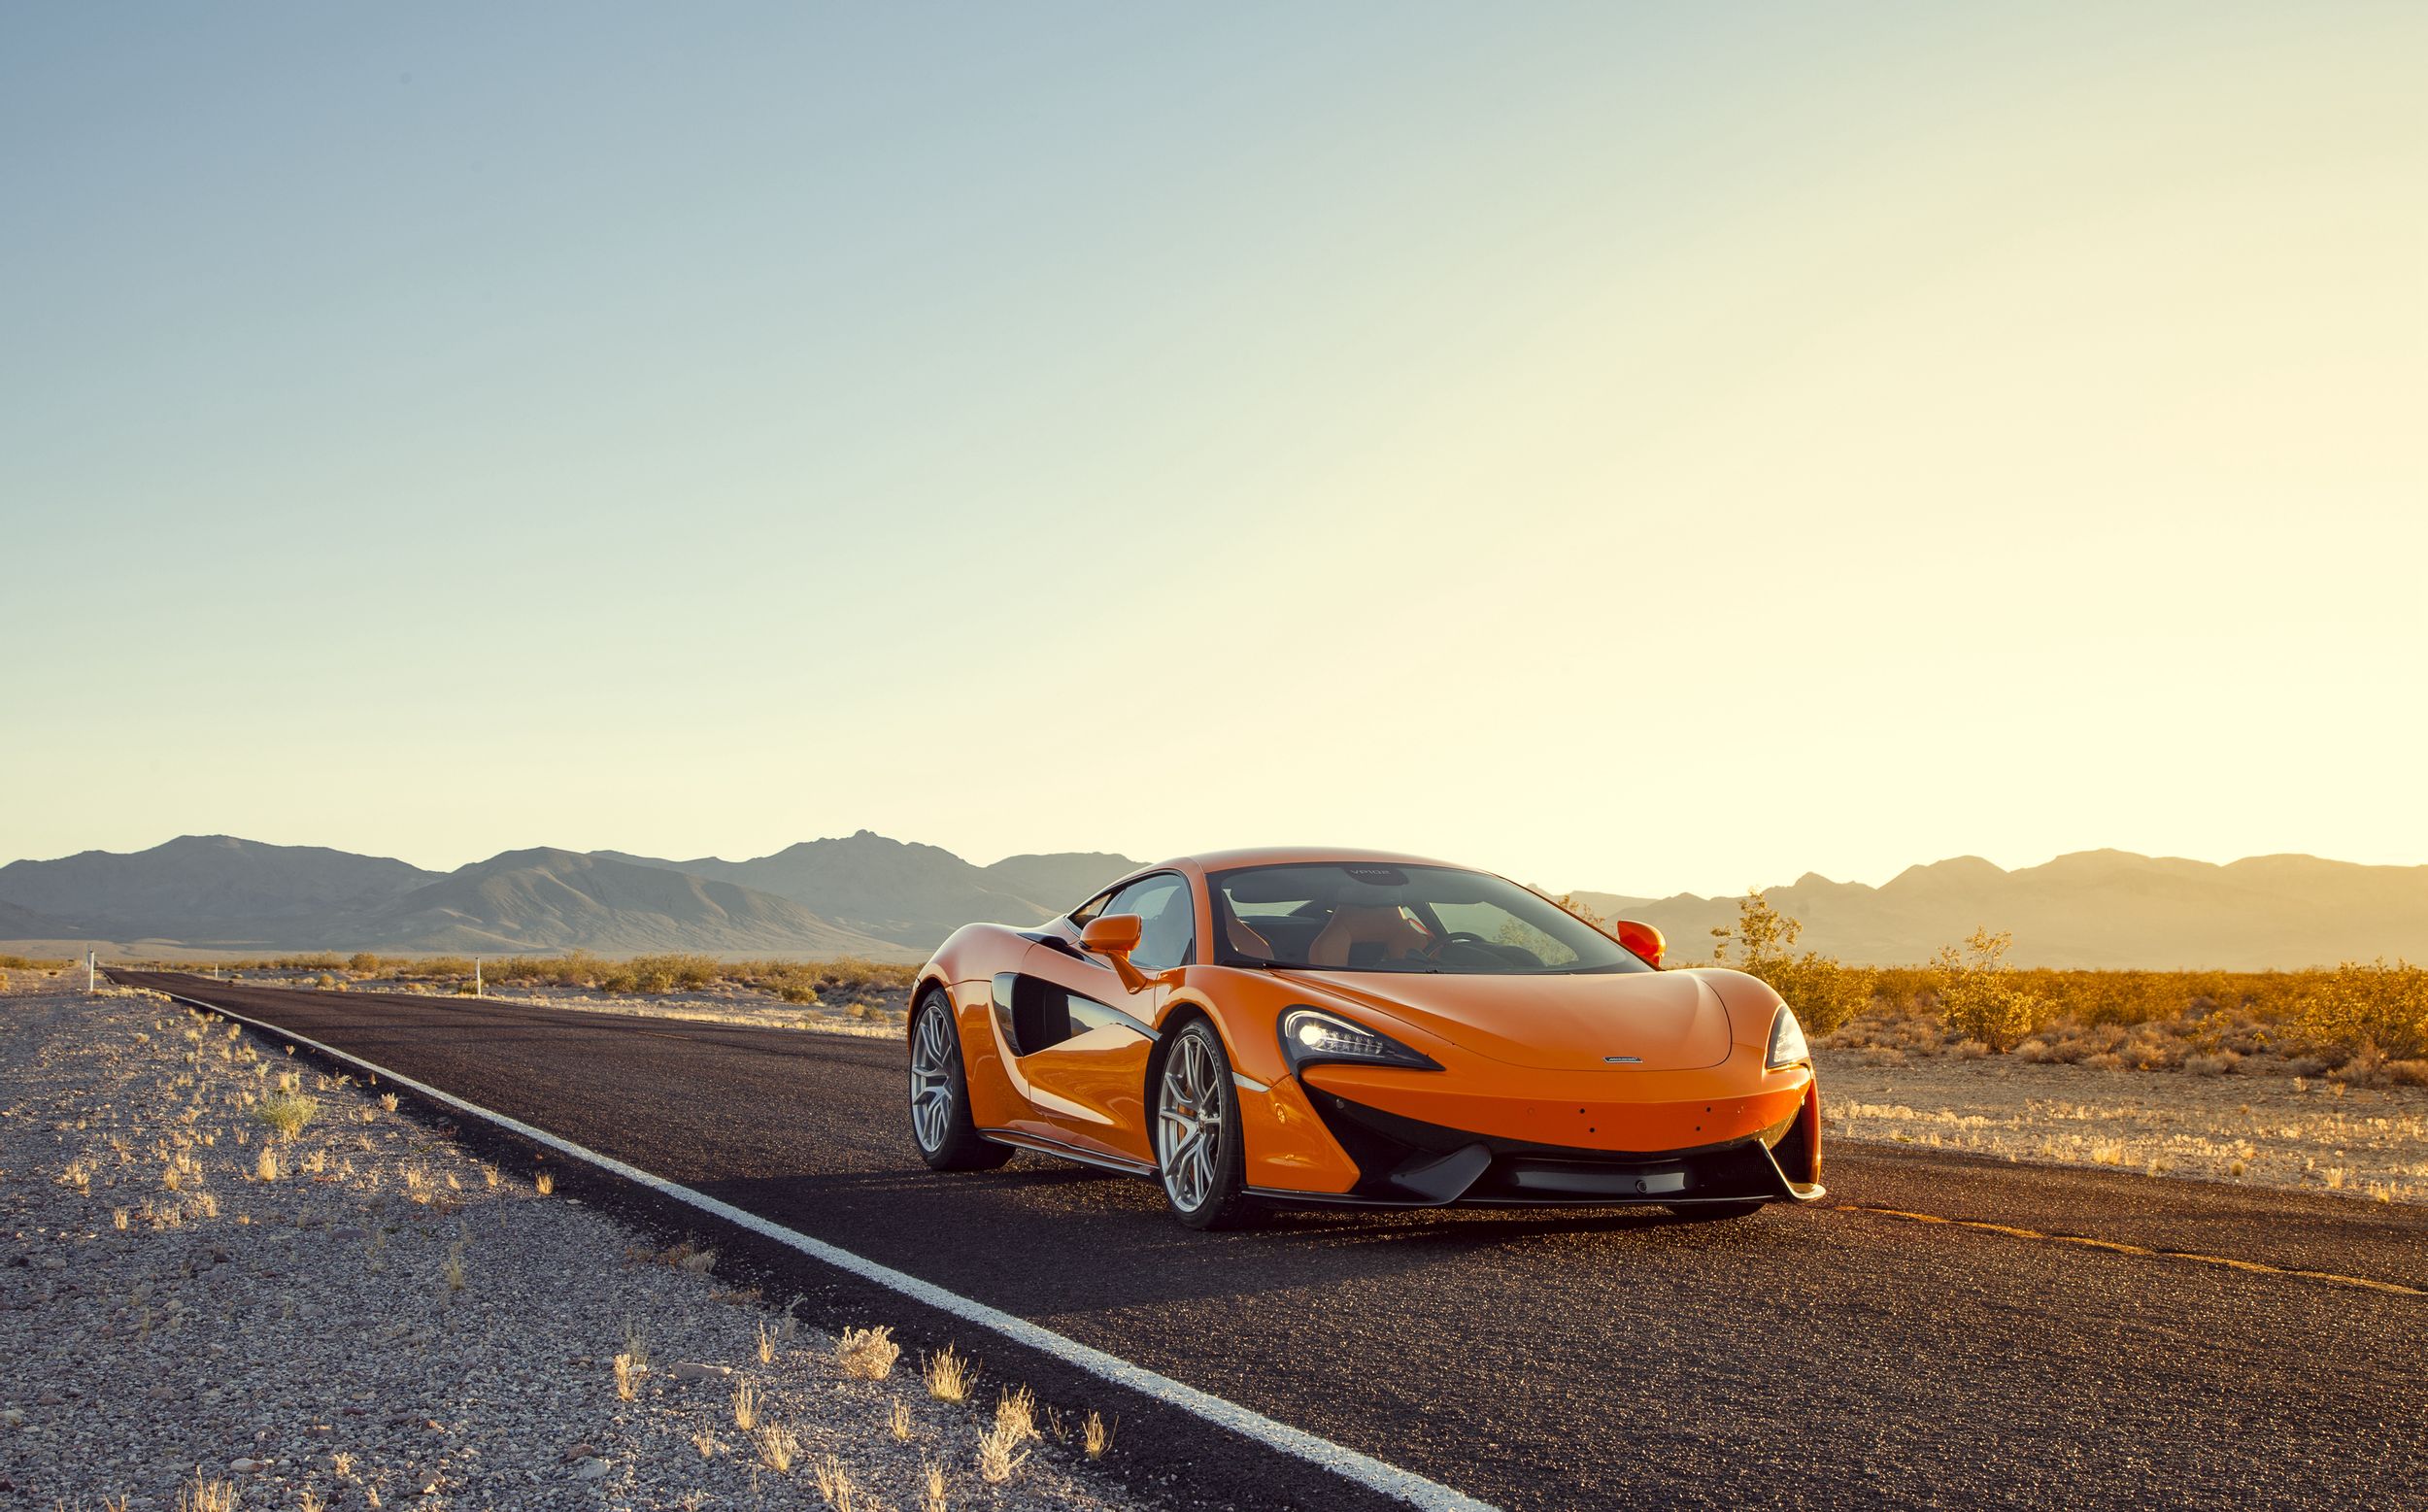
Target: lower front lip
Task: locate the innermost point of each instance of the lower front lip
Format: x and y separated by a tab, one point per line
1663	1110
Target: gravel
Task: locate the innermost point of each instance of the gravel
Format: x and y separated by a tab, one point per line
2287	1131
386	1320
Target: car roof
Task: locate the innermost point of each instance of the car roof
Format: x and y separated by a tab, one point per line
1300	855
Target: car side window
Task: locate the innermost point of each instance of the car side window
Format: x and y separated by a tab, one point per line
1166	919
1091	908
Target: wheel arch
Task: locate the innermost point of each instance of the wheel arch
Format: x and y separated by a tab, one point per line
930	978
1177	1015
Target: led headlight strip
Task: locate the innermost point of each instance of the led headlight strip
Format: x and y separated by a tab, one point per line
1314	1036
1787	1041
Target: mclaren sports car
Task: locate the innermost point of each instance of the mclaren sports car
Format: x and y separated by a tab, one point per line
1294	1027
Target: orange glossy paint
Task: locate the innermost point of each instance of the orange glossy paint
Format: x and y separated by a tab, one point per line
1523	1057
1641	938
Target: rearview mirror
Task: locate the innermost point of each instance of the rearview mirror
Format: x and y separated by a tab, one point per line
1641	938
1114	937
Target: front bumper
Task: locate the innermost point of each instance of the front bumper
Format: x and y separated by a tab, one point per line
1407	1163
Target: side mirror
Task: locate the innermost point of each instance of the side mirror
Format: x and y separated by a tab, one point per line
1114	937
1641	938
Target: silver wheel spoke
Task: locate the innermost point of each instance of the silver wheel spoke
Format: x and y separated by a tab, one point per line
932	1080
1188	1123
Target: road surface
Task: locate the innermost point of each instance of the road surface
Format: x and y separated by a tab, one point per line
1855	1353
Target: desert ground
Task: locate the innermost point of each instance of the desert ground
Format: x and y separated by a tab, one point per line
236	1280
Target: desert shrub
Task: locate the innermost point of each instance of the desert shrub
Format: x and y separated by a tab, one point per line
1979	997
2373	1010
1823	994
285	1111
655	974
1901	989
574	968
364	962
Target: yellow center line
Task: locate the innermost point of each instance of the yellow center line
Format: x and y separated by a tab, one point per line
2332	1278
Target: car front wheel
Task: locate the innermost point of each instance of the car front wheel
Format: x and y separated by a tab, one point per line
1197	1131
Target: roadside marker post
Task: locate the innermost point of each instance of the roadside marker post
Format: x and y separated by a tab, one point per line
477	990
89	988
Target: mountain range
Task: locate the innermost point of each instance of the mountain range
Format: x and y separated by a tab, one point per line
865	894
861	896
2091	908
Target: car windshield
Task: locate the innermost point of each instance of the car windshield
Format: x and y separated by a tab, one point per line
1355	916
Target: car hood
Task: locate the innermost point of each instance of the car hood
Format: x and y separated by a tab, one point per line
1666	1020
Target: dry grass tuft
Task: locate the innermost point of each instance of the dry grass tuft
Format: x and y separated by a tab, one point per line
207	1496
285	1113
628	1373
1016	1414
387	1101
746	1406
933	1498
1097	1436
867	1354
834	1483
545	1184
777	1448
1000	1455
898	1421
950	1375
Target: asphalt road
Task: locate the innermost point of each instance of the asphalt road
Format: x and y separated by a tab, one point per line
1834	1355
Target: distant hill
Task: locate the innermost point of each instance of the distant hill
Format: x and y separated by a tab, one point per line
23	924
547	900
1059	881
2092	908
213	887
910	893
868	896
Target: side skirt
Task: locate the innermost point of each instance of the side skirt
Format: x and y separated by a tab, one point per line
1021	1140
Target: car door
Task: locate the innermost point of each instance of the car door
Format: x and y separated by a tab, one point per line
1081	1038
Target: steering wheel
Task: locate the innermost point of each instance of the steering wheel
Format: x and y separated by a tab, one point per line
1432	947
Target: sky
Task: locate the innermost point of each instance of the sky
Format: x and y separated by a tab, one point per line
1639	448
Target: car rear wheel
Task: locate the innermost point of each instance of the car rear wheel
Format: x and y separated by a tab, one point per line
939	1094
1197	1131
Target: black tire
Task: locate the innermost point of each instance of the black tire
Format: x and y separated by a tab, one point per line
935	1068
1716	1212
1206	1188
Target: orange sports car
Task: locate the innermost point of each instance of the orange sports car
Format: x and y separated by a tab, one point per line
1320	1026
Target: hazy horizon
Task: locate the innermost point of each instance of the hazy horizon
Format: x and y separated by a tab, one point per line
1648	451
1553	886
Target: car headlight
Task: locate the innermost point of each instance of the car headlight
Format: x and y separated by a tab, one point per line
1311	1037
1787	1041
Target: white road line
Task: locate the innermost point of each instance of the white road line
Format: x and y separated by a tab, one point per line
1364	1470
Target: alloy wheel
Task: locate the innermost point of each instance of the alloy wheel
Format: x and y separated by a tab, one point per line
931	1081
1188	1123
